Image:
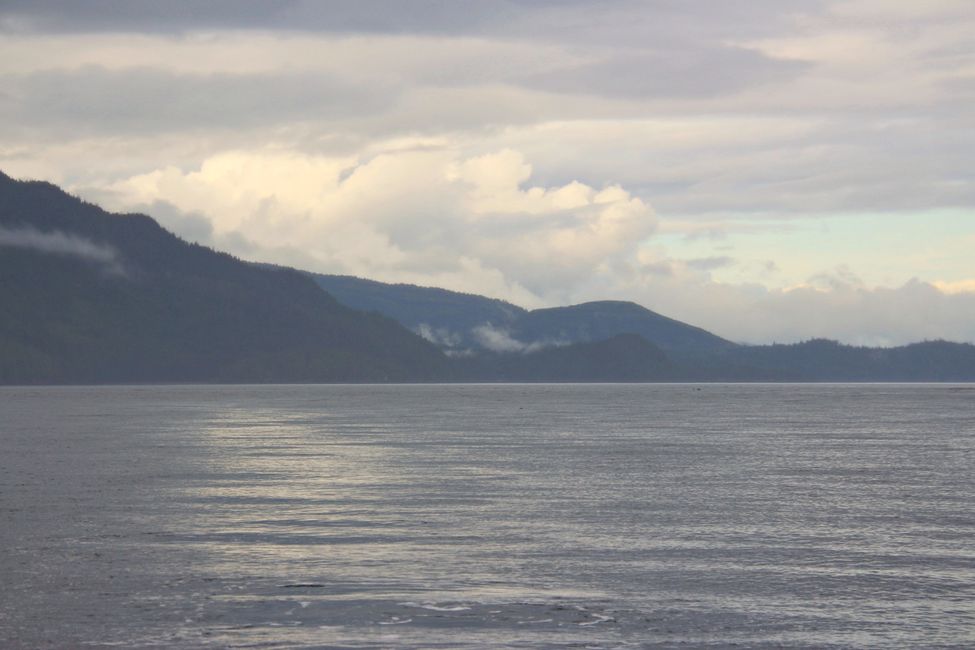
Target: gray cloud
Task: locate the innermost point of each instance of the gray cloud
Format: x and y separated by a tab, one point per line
390	16
662	268
439	336
97	100
499	339
59	243
832	161
710	263
612	22
861	315
191	226
642	23
699	71
836	306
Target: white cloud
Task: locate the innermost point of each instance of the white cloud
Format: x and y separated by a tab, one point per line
957	286
498	339
478	224
60	243
422	212
833	305
439	336
413	215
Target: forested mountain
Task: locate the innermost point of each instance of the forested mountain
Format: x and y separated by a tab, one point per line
447	317
824	360
622	341
597	321
92	297
460	321
624	357
89	296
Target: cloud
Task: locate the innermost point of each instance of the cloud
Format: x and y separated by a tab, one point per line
59	243
498	339
709	110
439	336
958	286
720	171
836	305
302	15
425	216
144	100
710	263
570	20
691	72
868	316
191	226
428	215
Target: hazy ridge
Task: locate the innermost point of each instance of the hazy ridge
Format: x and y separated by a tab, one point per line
93	297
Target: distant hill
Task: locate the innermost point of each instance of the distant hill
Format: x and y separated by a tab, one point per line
624	357
597	321
90	296
825	360
460	321
508	342
446	317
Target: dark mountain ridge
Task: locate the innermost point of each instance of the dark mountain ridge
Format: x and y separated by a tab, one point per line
90	296
620	358
447	317
457	321
826	360
600	320
551	336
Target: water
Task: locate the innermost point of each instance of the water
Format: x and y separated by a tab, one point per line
488	516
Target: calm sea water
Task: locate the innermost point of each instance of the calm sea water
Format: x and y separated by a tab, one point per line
488	516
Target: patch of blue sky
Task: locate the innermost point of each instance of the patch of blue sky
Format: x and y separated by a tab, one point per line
881	249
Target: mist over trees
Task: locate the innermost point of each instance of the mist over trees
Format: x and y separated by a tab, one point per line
93	297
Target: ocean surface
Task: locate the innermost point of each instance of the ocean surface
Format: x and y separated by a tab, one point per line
488	516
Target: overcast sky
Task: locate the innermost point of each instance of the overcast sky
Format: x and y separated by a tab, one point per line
771	170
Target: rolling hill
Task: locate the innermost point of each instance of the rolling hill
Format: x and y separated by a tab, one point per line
465	322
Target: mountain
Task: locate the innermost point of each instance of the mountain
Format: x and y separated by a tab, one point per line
93	297
825	360
624	357
448	318
460	321
495	340
597	321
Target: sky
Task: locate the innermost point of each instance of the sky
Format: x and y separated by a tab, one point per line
772	170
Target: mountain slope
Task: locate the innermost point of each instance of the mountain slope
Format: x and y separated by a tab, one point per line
459	321
825	360
624	357
90	296
597	321
447	317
